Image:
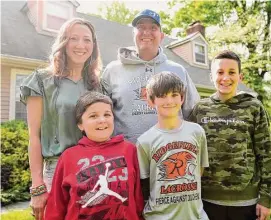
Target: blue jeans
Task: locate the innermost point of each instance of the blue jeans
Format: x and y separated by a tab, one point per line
49	167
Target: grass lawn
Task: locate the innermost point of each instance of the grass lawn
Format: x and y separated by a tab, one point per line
21	215
17	215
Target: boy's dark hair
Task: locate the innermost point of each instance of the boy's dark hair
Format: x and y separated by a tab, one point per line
227	54
88	99
162	83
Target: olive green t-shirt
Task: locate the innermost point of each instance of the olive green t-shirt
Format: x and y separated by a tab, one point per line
58	126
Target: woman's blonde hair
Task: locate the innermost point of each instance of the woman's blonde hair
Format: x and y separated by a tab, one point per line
58	58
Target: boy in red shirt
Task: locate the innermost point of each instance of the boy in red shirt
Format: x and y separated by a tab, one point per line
99	177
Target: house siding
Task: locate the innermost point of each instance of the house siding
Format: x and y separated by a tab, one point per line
184	51
40	14
5	92
32	12
35	13
199	40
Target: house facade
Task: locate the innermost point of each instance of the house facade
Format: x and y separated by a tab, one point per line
29	29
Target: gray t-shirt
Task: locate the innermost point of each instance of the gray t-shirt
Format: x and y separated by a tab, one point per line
172	159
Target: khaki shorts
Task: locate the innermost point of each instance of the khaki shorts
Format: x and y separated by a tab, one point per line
49	167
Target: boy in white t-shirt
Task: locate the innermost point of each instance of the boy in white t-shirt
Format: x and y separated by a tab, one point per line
171	155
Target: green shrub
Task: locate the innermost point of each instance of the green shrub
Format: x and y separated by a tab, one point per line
15	172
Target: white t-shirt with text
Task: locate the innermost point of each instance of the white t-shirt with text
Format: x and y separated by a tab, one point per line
172	159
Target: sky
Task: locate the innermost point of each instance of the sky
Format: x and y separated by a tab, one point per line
91	6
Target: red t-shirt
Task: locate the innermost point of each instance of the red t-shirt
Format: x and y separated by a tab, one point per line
96	181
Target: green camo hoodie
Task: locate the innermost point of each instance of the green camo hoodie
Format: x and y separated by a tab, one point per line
239	148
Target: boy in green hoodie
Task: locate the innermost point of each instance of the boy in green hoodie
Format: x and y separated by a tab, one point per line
237	184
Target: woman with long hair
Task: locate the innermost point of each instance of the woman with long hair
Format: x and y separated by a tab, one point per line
51	95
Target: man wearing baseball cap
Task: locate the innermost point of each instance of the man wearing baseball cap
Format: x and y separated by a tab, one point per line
147	14
124	80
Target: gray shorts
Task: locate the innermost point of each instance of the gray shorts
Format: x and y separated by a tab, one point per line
49	167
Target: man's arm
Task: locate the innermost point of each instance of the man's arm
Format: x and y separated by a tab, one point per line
191	98
105	81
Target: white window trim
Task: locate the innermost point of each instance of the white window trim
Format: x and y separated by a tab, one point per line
45	12
194	53
12	97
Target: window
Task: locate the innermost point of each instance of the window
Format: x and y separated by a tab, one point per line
20	108
56	13
200	53
17	109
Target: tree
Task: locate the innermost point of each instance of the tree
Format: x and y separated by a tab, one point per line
117	11
243	26
190	11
